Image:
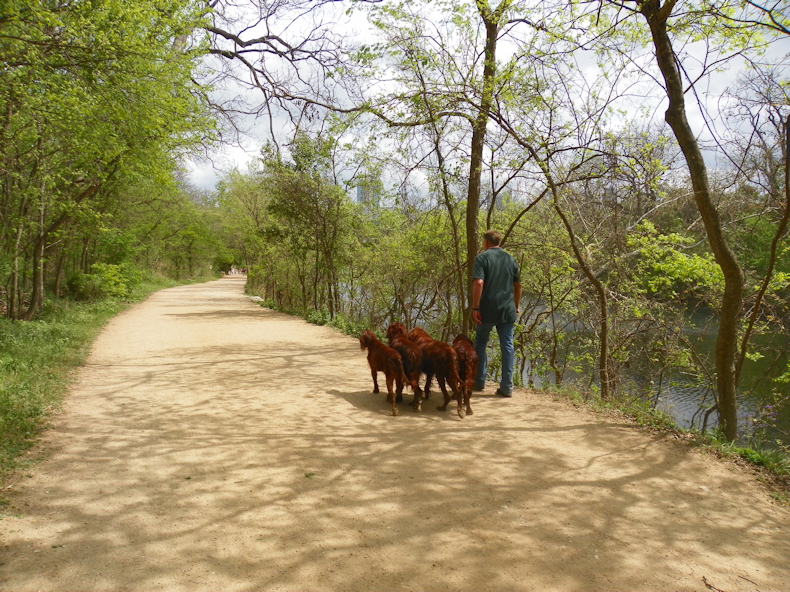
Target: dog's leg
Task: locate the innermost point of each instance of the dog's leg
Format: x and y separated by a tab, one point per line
443	386
427	389
459	396
374	374
391	395
415	385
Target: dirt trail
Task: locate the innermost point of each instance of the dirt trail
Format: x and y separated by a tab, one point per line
211	444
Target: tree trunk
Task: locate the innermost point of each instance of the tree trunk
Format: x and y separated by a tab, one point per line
491	21
14	306
37	295
729	313
459	274
84	258
59	272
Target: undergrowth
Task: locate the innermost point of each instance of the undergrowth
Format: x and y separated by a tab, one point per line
323	318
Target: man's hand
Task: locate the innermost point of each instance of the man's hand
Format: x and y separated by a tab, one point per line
476	317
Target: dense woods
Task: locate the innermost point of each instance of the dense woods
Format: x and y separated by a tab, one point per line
98	104
635	155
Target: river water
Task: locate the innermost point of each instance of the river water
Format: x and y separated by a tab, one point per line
685	400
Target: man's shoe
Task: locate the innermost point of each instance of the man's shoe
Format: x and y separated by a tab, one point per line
499	393
478	389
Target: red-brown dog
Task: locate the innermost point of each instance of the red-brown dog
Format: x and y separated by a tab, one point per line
439	359
467	367
411	355
383	359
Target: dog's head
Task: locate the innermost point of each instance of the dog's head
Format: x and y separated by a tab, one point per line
461	338
366	338
396	329
419	335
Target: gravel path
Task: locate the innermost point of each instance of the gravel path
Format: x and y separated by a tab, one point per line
211	444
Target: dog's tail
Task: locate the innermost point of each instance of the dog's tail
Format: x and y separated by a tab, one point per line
396	366
453	374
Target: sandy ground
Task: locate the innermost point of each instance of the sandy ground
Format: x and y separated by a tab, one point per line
211	444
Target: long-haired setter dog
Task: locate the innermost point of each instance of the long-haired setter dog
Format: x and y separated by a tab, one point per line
439	359
383	359
411	355
467	366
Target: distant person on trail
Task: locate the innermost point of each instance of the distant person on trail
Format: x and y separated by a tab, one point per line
496	293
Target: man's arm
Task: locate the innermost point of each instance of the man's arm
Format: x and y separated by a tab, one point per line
477	292
517	296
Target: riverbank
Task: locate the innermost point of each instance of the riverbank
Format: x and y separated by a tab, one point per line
770	467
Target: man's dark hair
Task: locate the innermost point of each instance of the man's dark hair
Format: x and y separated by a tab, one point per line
494	237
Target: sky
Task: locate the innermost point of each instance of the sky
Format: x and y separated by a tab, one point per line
205	172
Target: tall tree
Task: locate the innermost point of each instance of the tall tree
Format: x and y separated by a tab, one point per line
493	20
91	93
663	25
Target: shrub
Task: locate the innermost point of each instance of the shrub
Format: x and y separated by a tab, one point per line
82	286
115	281
106	280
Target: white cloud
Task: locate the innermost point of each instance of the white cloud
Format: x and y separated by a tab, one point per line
204	173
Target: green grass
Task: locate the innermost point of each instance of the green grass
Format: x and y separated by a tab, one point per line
37	363
776	461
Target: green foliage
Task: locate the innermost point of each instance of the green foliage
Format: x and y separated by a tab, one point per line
645	414
106	280
81	286
753	240
669	273
340	322
97	100
776	461
115	281
292	225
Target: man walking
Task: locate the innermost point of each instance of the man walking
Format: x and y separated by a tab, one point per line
496	293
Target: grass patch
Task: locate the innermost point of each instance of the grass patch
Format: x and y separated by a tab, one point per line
776	461
37	363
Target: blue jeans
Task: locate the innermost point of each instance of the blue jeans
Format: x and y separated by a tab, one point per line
505	332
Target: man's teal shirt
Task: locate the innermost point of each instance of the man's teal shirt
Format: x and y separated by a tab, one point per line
499	271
